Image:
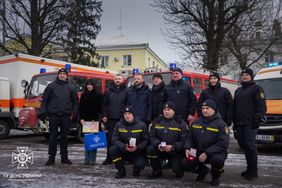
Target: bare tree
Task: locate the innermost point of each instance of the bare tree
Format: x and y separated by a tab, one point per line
200	26
254	33
31	25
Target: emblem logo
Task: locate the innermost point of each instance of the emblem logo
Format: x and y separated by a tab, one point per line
23	157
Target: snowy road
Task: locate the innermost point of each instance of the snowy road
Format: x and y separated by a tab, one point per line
38	175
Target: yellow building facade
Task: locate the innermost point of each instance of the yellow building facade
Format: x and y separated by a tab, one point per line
125	58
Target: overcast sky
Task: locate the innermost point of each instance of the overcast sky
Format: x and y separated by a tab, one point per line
140	23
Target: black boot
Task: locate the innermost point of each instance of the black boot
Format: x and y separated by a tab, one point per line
51	161
66	161
251	175
243	174
215	182
155	174
107	161
203	172
121	173
215	177
136	173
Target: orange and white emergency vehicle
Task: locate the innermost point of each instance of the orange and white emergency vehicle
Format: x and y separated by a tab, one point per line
270	78
20	101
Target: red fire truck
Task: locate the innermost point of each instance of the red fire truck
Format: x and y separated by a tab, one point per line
33	96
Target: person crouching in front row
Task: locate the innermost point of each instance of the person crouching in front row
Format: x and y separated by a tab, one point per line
167	136
129	141
207	143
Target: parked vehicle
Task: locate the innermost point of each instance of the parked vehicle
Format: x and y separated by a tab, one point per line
20	101
270	78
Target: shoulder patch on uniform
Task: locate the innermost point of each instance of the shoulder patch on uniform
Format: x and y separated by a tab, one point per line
226	130
261	94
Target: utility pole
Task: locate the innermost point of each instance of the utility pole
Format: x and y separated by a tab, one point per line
120	23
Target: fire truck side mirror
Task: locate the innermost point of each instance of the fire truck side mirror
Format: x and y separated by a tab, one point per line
24	83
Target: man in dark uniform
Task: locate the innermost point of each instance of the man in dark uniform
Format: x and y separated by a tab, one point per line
158	95
139	97
220	95
59	101
181	94
207	143
167	136
129	142
114	101
250	107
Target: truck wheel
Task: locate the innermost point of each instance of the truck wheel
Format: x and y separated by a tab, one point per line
46	135
4	129
79	135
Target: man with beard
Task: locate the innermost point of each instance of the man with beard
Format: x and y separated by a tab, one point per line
139	98
220	95
114	101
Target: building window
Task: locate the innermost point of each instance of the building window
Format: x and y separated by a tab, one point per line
127	60
153	63
104	61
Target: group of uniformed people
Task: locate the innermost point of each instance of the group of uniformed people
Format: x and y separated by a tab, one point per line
158	124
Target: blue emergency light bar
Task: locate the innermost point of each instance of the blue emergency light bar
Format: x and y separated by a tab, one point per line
273	64
172	66
135	71
68	67
42	70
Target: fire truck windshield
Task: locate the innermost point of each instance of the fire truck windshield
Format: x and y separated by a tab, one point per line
272	88
39	83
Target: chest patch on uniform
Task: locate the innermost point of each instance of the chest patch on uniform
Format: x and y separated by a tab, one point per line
226	130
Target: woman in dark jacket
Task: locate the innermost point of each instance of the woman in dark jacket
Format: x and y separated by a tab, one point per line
90	110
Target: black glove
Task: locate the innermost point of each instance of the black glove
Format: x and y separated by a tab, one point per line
42	116
147	122
228	122
256	122
235	132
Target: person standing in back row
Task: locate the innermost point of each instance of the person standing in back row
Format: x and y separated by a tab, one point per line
181	94
250	107
114	101
59	102
158	95
139	98
220	95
